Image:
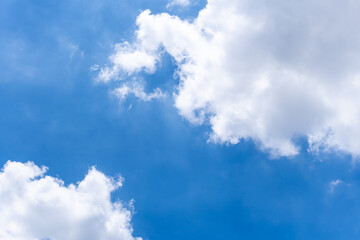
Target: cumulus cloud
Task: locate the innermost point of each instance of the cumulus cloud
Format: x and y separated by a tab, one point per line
128	60
260	70
34	206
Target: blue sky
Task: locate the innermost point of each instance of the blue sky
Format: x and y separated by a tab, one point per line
56	114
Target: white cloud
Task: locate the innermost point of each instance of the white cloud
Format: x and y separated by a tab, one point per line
257	70
183	3
334	184
128	60
34	206
94	67
137	89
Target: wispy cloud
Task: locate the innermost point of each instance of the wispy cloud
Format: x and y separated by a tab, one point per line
137	89
334	184
183	3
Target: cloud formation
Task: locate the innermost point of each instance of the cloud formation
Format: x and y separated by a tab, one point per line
333	184
34	206
269	72
137	89
183	3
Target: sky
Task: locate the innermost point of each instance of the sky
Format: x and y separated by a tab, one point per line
184	119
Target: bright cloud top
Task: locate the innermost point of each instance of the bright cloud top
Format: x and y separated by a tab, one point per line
260	70
35	206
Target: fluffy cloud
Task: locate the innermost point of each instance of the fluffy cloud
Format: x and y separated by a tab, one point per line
260	70
34	206
127	60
